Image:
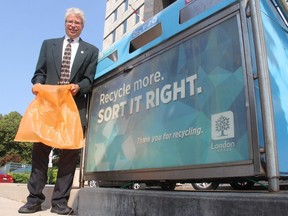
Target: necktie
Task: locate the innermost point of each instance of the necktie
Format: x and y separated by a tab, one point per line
65	66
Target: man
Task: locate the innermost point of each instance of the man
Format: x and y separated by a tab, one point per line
55	68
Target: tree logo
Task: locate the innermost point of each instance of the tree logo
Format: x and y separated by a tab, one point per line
222	125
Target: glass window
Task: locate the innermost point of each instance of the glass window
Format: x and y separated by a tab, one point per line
126	5
124	26
137	16
113	36
115	15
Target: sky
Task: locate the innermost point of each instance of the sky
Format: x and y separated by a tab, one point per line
25	24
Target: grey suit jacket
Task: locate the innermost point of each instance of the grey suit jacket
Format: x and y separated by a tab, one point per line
83	70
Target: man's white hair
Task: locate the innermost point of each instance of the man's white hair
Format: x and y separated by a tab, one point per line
75	11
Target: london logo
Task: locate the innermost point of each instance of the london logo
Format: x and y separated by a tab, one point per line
222	125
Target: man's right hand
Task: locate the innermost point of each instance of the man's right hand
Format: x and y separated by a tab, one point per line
33	90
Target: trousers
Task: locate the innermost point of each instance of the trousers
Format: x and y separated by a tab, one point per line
38	178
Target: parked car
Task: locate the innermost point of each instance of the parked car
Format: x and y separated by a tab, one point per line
23	170
205	185
135	186
132	185
6	178
237	185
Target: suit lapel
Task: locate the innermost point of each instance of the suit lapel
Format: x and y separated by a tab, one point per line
57	54
79	58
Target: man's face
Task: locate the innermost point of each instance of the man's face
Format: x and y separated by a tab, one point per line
73	26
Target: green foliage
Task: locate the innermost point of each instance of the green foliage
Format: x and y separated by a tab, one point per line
24	177
11	151
52	175
20	177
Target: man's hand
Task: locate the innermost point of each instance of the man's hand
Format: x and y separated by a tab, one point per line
74	89
33	90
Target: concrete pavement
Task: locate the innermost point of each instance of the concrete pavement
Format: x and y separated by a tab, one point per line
125	202
10	208
13	196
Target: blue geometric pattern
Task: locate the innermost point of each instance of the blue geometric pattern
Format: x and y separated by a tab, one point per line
174	128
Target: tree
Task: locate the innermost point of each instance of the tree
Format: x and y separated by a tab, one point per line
222	124
11	151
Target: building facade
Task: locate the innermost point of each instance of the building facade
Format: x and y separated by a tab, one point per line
123	16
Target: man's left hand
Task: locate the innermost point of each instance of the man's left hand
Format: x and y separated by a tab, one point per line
74	89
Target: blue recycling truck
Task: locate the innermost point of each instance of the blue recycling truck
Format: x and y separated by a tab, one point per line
196	93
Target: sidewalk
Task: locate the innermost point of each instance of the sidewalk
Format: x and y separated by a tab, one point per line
10	208
13	196
116	201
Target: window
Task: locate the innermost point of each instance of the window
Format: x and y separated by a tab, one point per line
115	15
124	26
137	16
126	5
113	36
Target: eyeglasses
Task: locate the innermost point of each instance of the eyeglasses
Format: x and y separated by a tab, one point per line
71	22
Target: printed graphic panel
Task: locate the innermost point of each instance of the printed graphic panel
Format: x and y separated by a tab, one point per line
184	106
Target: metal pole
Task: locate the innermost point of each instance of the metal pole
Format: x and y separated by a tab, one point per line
265	98
82	157
81	177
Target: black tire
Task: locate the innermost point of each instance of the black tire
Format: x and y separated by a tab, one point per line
168	186
242	185
205	186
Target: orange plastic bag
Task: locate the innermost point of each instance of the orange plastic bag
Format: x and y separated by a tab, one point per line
52	118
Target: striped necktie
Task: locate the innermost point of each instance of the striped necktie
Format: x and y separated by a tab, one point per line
65	66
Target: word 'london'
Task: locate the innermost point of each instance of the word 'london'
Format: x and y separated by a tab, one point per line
226	146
